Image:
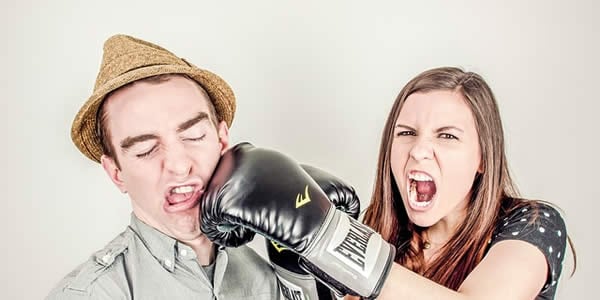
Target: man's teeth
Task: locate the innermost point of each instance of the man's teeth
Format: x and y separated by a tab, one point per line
182	189
419	177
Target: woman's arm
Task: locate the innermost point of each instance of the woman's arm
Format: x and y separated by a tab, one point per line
511	270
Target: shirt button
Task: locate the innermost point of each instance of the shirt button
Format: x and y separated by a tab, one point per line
168	263
106	258
183	252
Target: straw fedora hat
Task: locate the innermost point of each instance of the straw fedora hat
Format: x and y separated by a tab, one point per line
127	59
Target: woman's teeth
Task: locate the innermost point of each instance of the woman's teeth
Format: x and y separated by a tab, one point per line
419	177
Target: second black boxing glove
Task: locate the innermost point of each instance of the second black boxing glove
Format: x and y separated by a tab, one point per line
295	282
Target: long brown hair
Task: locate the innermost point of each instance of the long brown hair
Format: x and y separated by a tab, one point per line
493	191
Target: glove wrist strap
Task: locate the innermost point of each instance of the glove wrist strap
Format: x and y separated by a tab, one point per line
353	257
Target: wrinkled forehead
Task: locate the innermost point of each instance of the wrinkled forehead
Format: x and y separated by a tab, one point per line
154	106
436	107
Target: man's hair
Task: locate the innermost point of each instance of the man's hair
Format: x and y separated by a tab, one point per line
102	116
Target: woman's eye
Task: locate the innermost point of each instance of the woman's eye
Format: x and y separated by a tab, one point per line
448	136
405	133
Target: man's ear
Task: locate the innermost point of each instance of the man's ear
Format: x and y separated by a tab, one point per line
113	171
223	132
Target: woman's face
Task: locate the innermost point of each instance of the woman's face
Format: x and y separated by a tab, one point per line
435	156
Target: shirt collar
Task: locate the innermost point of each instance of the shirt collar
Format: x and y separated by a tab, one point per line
160	245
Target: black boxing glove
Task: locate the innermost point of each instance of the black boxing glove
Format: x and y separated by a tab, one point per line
266	192
295	282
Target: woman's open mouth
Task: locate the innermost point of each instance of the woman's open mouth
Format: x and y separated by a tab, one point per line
421	190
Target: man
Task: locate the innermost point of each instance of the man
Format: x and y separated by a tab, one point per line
158	125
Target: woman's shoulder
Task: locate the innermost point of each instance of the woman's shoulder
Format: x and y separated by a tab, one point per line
531	213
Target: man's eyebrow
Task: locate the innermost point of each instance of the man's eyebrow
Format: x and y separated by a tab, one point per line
201	116
131	140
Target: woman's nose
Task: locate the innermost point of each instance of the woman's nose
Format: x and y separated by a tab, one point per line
422	149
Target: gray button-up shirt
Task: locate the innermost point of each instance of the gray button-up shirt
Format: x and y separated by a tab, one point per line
143	263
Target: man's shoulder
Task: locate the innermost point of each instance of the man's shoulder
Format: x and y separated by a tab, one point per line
100	277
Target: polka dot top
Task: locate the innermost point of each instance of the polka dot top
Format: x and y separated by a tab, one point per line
542	226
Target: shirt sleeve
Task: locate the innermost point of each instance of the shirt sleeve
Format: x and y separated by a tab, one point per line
89	281
542	226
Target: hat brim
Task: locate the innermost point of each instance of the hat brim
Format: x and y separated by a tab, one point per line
83	130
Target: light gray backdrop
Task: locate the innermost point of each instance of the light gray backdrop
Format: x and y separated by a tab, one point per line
314	79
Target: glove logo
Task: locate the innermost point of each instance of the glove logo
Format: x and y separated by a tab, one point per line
302	200
354	246
291	291
278	247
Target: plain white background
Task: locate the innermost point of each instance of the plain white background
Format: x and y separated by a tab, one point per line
314	79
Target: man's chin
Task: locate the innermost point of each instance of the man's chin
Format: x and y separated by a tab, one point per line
185	224
193	238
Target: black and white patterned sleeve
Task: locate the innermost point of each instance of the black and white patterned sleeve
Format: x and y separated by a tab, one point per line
542	226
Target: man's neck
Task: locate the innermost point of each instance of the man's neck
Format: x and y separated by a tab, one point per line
204	249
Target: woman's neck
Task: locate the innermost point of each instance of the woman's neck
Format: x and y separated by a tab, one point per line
441	232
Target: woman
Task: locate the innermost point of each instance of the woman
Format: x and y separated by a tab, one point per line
444	197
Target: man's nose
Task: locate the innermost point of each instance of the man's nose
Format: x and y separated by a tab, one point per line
177	161
422	149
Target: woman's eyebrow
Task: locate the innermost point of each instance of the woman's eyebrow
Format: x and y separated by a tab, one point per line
445	128
404	126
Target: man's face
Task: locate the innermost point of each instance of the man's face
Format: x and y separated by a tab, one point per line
167	147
